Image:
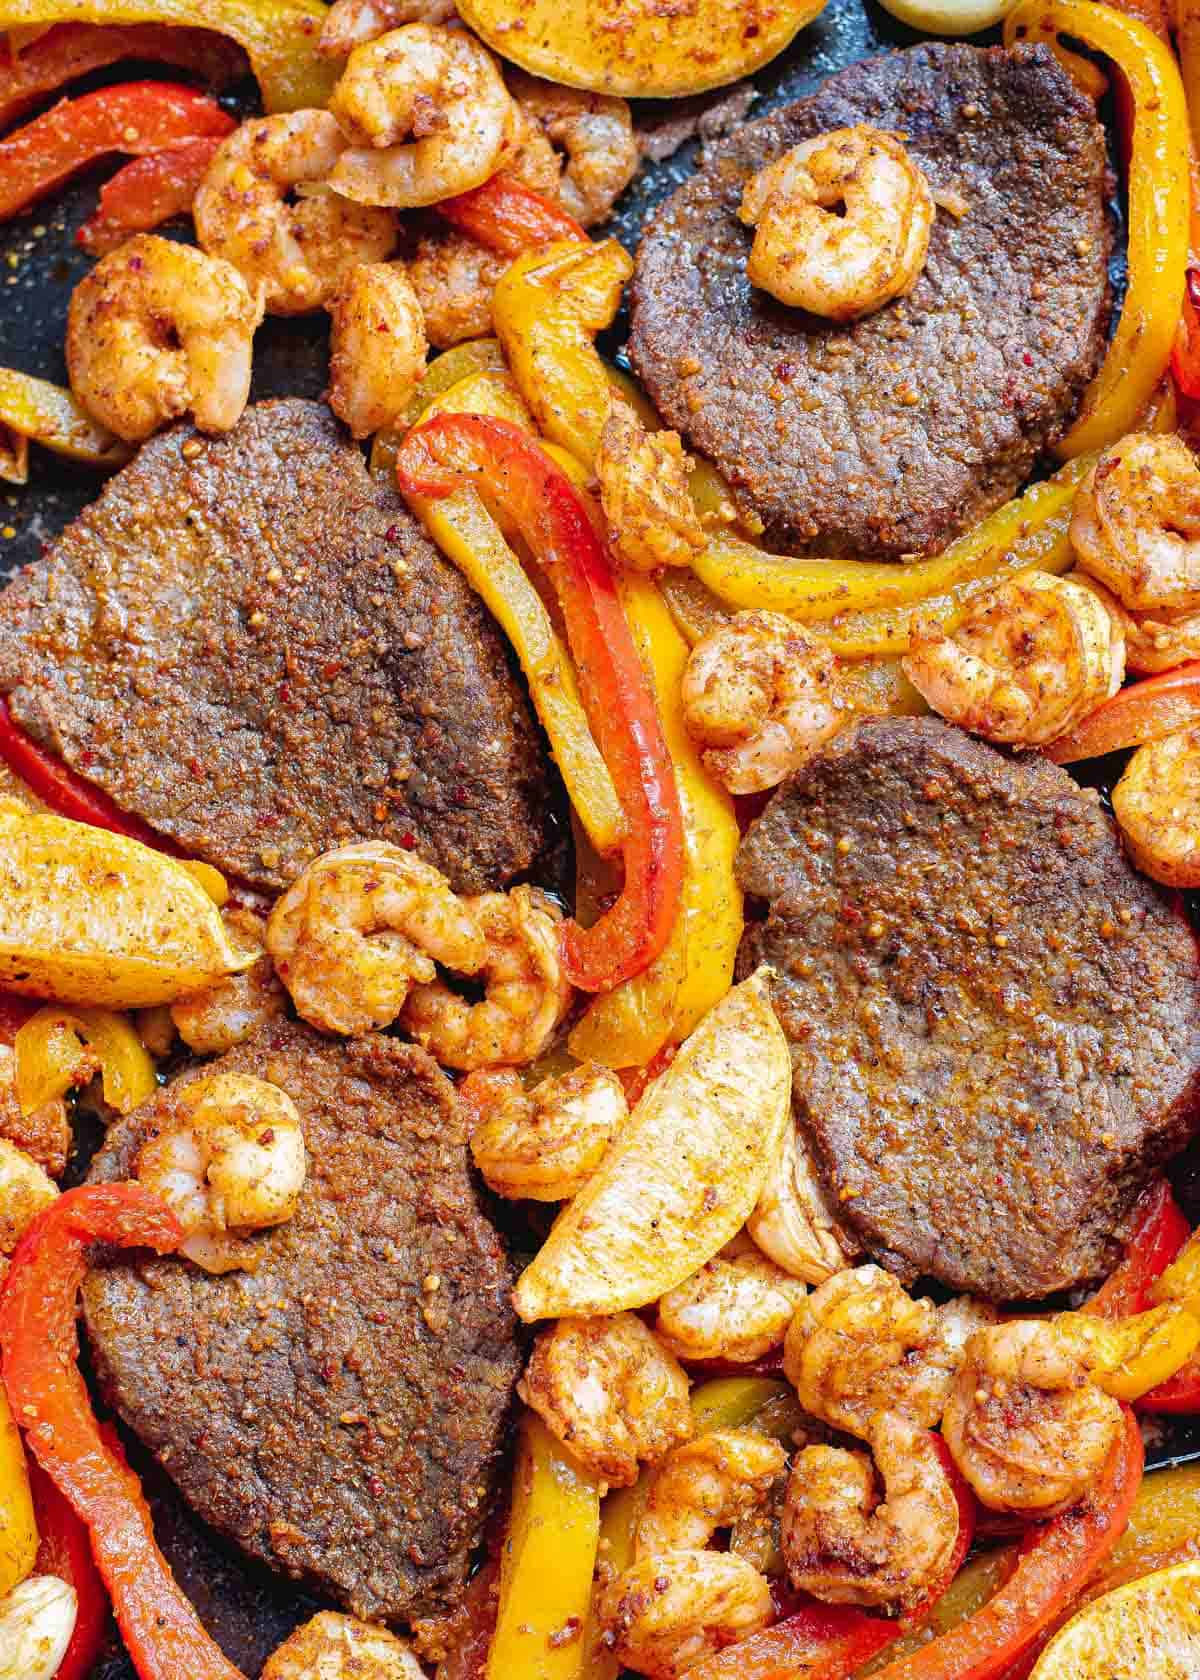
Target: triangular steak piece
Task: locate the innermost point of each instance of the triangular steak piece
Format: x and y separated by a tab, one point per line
889	436
994	1020
249	643
338	1411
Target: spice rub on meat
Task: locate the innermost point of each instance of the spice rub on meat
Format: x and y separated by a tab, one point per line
994	1021
337	1411
889	436
247	642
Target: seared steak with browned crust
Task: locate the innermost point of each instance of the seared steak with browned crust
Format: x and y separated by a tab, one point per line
247	642
994	1021
889	436
338	1411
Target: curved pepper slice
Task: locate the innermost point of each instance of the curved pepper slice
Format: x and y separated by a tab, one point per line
147	192
1158	209
509	217
136	117
39	1350
1159	1232
65	1550
435	459
49	1058
1144	711
36	410
67	794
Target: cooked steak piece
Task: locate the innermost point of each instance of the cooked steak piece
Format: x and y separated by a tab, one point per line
888	436
994	1021
336	1412
247	642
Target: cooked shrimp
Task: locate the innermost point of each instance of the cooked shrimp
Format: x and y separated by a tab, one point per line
526	992
351	23
860	1345
214	1020
1024	1423
378	346
610	1391
335	1647
45	1134
704	1485
842	223
737	1307
543	1144
1136	522
1030	660
359	926
846	1544
1157	805
454	278
667	1612
157	330
24	1191
759	696
792	1222
438	90
596	134
644	491
1154	641
264	206
227	1157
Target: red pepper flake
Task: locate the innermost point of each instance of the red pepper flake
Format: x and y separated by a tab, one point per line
409	842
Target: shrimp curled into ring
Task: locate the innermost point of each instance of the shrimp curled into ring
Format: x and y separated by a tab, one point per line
227	1012
294	253
1024	1423
1030	660
377	346
706	1484
736	1307
611	1393
1136	523
228	1157
668	1611
644	492
759	696
337	1647
350	936
526	992
158	329
439	90
845	1545
542	1145
1157	805
839	266
595	132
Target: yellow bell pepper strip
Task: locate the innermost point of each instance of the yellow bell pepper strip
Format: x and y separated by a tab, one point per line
280	36
547	309
18	1528
625	1027
1129	1356
478	355
49	415
468	535
547	1564
1158	209
50	1058
1180	1281
14	456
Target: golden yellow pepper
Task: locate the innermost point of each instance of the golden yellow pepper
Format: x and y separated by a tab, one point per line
1127	1357
1159	202
468	535
48	414
547	309
625	1027
18	1530
49	1058
279	36
547	1564
1181	1280
477	355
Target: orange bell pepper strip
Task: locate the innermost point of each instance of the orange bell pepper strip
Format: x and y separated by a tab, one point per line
69	50
147	192
435	459
509	217
136	117
1144	711
39	1350
1159	1232
65	1550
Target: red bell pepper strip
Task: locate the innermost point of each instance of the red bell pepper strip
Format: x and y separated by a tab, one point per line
65	1550
1185	357
509	217
1159	1232
146	192
136	117
1145	711
1179	1394
832	1641
63	791
1053	1563
637	1080
71	50
437	458
39	1351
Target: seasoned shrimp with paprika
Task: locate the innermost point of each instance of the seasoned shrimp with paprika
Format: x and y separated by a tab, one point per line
1157	807
1028	662
543	1144
792	1222
610	1391
1136	522
227	1012
593	131
158	330
842	223
265	206
670	1610
454	278
336	1647
736	1307
644	492
706	1484
377	346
